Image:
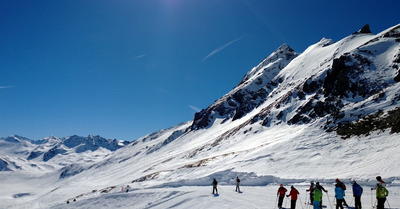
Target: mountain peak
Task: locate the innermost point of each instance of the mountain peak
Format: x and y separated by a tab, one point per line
364	29
284	47
250	92
16	139
284	52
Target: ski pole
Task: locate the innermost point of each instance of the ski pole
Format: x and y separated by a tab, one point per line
276	200
352	199
372	206
388	203
286	201
305	200
301	202
333	201
351	203
329	200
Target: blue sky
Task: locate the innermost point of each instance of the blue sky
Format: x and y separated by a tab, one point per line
122	69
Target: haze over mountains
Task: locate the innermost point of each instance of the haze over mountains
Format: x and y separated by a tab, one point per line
329	112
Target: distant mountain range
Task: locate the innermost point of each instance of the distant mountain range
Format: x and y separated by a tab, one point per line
17	150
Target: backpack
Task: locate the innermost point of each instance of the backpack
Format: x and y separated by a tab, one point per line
343	186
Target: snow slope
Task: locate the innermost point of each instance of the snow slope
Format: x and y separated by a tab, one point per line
277	126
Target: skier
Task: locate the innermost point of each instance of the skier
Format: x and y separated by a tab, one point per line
339	193
321	188
341	184
127	188
293	193
281	192
237	184
381	192
311	190
357	192
317	195
214	184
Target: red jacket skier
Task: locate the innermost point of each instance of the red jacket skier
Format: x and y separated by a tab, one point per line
281	192
293	193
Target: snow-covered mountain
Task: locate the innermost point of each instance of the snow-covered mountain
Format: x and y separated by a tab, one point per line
52	153
329	112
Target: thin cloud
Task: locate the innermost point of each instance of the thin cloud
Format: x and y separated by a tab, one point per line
194	108
6	87
140	56
221	48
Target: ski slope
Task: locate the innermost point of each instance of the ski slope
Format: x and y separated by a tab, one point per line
325	159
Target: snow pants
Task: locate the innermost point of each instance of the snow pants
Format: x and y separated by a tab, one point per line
237	187
357	200
293	204
316	204
280	201
381	203
339	203
311	198
215	189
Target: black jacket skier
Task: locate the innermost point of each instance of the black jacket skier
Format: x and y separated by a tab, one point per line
237	184
214	184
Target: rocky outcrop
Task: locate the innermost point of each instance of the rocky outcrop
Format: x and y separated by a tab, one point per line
250	92
365	29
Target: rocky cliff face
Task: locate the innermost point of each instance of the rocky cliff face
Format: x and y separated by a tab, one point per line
250	92
327	80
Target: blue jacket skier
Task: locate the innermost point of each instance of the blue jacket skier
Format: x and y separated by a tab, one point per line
341	184
357	192
339	194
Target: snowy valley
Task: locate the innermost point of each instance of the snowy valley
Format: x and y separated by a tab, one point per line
329	112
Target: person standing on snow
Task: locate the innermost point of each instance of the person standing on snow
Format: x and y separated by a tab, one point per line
321	188
381	192
357	192
293	193
281	192
237	184
341	184
311	190
317	195
339	194
214	184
